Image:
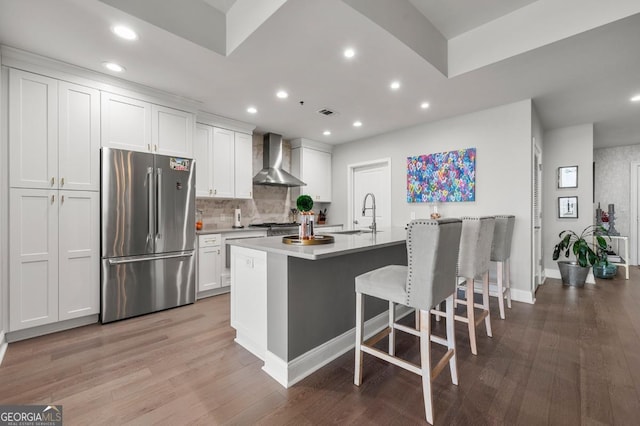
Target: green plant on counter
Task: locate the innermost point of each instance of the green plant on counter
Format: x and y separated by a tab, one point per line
580	245
304	203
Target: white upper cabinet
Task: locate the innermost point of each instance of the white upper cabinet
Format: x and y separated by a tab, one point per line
311	162
126	123
223	163
243	162
79	137
33	130
172	131
203	154
136	125
54	133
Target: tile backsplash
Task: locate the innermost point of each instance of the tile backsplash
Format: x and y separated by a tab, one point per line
269	203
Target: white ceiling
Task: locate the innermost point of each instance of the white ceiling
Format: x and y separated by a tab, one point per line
583	78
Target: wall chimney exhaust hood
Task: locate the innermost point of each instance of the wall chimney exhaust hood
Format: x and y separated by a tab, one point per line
272	172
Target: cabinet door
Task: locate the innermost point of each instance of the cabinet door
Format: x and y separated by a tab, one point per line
208	268
316	172
223	163
202	153
126	123
33	265
79	257
172	131
243	166
79	142
33	130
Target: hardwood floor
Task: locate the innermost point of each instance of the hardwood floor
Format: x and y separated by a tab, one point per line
572	358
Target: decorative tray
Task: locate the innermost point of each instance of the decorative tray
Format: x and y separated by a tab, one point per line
317	239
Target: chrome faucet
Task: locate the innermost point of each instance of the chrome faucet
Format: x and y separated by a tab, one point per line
373	207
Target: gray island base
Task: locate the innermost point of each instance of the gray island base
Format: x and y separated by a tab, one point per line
294	306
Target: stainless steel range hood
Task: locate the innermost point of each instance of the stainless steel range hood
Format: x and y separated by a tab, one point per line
272	172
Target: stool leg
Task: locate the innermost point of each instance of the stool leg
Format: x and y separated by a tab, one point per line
508	265
471	318
485	302
392	331
500	288
451	340
357	375
425	362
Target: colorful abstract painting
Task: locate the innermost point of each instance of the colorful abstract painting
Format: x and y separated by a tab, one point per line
442	177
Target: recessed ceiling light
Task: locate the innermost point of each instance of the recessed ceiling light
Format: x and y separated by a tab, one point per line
252	110
112	66
395	85
357	123
424	105
124	32
282	94
349	53
326	132
636	98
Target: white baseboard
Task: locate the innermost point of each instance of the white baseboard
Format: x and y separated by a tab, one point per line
517	295
555	273
288	374
249	345
3	346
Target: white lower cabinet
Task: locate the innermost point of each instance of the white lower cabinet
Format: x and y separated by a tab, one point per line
209	263
249	298
54	267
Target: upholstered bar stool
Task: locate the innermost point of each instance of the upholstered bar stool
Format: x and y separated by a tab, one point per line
473	261
429	278
501	254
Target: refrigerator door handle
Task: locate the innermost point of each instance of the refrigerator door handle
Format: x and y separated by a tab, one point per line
159	223
150	205
147	258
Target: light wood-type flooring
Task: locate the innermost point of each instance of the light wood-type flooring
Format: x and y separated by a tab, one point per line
573	358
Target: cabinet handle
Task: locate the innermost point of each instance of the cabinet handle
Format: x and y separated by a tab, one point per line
53	198
211	192
62	182
250	194
53	181
155	147
218	251
62	199
215	191
148	147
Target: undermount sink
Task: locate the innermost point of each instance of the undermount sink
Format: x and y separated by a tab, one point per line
353	232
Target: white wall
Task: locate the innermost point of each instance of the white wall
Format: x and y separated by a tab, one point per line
502	137
568	146
612	183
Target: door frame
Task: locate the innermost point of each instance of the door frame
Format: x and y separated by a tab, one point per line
351	169
633	210
537	247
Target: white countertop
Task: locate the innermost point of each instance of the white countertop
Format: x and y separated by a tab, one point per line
344	244
210	230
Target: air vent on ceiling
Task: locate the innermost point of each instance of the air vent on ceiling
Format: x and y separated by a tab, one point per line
328	112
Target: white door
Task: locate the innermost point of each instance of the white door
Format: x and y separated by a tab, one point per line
33	265
538	270
126	123
33	130
243	165
79	142
202	147
634	216
223	163
79	254
373	177
172	131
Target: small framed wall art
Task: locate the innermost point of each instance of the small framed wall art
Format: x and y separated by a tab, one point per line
568	177
568	207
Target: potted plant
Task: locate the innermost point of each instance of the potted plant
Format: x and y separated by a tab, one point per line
585	248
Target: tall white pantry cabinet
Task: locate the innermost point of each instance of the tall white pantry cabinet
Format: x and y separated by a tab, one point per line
54	142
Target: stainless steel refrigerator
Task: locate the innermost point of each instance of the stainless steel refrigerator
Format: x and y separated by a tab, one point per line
148	233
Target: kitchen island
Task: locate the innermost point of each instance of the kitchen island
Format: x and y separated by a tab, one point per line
294	306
